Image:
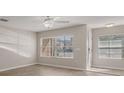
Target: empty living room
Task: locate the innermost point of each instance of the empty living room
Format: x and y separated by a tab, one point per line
61	45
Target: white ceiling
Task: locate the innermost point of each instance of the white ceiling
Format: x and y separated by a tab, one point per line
34	23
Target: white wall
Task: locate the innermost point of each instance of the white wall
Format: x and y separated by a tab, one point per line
79	44
16	48
106	63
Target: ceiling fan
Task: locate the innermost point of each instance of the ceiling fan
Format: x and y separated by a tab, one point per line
49	21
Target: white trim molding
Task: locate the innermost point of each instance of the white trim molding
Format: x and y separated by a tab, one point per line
61	66
15	67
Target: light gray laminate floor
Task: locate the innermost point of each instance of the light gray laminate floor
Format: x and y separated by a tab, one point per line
40	70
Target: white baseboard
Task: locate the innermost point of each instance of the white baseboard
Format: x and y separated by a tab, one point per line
20	66
60	66
15	67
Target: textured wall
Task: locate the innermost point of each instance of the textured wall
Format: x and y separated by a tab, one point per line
106	63
16	48
79	34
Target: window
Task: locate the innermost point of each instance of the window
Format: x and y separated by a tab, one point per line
60	46
111	46
64	46
47	47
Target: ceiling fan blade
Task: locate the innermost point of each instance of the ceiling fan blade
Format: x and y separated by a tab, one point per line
61	21
3	19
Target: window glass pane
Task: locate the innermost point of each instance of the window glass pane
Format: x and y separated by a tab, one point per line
116	43
122	53
64	46
103	43
104	38
60	51
47	47
68	41
60	41
111	46
47	42
68	51
116	53
53	42
46	51
103	53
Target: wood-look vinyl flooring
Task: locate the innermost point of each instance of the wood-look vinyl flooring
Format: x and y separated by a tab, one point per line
41	70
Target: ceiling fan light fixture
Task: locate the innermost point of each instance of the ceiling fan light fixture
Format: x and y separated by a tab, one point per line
110	25
48	24
49	21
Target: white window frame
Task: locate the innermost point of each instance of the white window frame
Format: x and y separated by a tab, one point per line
98	46
41	39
